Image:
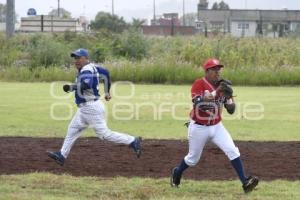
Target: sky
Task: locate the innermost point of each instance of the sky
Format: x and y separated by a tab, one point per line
140	8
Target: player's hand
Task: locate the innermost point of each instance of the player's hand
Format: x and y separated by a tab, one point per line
67	88
107	97
209	98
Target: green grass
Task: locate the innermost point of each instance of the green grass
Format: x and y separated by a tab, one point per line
48	186
25	111
165	71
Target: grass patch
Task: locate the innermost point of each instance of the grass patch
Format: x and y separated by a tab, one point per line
29	109
160	71
48	186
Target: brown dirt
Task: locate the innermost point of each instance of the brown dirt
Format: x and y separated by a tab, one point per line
93	157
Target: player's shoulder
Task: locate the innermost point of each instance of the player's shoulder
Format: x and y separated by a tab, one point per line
199	81
100	67
102	70
89	67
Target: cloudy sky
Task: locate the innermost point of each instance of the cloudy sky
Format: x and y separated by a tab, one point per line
140	8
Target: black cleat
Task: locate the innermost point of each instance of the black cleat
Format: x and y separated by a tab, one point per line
175	178
57	156
136	146
250	184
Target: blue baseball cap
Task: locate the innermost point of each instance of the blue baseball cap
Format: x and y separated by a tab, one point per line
80	53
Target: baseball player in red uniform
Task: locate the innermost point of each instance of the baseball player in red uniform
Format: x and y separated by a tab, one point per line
209	95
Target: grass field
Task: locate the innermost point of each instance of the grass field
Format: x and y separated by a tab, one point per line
26	111
48	186
151	111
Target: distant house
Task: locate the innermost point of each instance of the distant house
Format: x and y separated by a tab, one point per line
167	19
248	23
168	25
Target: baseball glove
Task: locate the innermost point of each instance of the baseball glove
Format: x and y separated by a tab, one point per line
225	88
200	104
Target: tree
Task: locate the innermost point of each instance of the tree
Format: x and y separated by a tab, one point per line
215	6
62	13
220	6
223	6
137	23
110	22
3	13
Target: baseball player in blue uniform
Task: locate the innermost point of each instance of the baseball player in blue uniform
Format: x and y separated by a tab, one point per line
90	111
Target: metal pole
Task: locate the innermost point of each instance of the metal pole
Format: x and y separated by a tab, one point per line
112	7
58	8
154	14
10	18
183	12
51	23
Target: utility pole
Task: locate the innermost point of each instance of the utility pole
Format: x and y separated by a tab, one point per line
10	17
183	12
112	7
58	8
154	14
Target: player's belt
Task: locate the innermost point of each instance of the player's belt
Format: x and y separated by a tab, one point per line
198	123
87	103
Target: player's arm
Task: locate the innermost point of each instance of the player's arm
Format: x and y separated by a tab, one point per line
104	75
70	87
85	82
199	98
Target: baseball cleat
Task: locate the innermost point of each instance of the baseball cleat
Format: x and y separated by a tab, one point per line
57	156
136	146
250	184
175	178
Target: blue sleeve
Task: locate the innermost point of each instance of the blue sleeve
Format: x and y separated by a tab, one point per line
86	80
105	76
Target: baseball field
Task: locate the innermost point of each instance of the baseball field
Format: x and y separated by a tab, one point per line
34	118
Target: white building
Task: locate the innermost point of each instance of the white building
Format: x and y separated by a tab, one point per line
49	23
248	23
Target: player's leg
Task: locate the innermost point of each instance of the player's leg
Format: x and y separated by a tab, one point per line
197	136
74	130
224	141
98	123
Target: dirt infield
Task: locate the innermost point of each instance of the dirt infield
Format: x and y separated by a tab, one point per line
93	157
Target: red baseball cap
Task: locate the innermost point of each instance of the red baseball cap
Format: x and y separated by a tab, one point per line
212	62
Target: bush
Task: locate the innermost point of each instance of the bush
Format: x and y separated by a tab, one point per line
48	53
8	53
131	45
131	56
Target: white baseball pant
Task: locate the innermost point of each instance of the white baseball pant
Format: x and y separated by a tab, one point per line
199	135
92	114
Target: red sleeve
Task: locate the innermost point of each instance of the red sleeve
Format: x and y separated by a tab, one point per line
197	88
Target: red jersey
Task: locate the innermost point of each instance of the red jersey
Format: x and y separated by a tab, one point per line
211	116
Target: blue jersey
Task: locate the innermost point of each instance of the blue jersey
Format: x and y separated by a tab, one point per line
87	82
